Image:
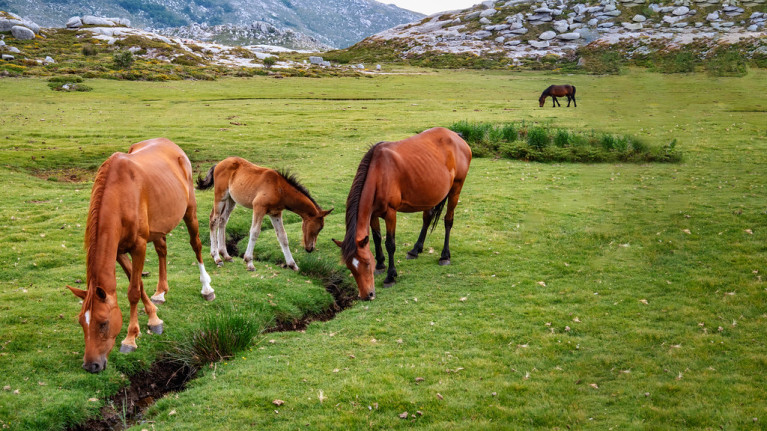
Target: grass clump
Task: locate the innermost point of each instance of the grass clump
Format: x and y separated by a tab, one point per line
517	141
220	336
68	83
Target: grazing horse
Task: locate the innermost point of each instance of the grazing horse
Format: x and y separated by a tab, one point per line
558	91
137	198
420	173
265	191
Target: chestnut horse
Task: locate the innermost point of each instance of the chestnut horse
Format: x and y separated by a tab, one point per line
137	198
420	173
265	191
558	91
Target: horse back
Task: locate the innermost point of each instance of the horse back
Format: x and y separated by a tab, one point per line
161	174
420	171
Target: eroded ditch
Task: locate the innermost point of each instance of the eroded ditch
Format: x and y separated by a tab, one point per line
126	408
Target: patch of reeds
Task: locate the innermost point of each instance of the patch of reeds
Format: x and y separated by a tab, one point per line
218	337
546	144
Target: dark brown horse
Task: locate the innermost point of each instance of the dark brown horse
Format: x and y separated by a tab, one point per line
420	173
266	192
137	198
558	91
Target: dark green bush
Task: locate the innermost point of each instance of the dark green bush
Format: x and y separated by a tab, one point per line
727	63
90	50
538	138
123	59
562	138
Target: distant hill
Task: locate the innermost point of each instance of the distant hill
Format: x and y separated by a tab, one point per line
337	23
516	32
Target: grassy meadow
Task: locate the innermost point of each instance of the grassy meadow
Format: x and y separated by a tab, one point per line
580	296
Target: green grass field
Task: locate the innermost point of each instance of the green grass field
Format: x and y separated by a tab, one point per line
581	296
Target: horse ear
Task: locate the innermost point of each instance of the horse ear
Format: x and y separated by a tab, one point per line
338	243
78	293
324	213
364	241
101	293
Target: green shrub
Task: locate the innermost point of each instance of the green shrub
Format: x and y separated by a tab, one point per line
509	132
90	50
562	138
269	62
123	59
608	142
186	60
538	138
727	63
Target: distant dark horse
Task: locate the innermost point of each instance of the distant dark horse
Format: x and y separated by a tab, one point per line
558	91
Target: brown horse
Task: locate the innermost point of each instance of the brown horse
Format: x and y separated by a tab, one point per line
265	191
137	198
420	173
558	91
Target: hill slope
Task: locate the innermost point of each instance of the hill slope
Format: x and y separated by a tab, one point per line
522	29
337	23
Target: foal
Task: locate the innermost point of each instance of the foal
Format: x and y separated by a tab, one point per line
266	192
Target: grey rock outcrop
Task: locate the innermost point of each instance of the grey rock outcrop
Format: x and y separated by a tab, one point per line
22	33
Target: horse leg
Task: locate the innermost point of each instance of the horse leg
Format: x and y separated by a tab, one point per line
190	219
134	294
556	102
452	202
418	247
391	226
255	230
155	324
375	226
226	212
161	247
569	98
282	237
575	105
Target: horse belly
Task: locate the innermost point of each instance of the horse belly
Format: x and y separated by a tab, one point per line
165	211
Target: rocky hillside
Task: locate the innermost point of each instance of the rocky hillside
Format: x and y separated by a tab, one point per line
336	23
515	30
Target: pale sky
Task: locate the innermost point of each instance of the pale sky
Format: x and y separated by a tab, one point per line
431	6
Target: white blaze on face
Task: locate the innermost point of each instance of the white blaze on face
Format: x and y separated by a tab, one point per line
88	317
355	263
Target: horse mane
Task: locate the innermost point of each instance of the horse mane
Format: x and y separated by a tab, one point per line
292	179
92	226
547	91
348	246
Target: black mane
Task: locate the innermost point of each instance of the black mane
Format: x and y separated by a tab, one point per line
293	181
349	247
546	91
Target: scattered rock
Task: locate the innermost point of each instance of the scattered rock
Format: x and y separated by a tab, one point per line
639	18
74	22
49	60
547	35
22	33
569	36
682	10
8	57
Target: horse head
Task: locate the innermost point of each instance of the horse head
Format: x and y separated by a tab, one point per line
541	101
360	262
311	227
101	320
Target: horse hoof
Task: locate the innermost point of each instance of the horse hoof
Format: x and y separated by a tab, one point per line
251	268
157	301
210	296
156	329
220	264
294	267
411	256
443	262
389	283
127	348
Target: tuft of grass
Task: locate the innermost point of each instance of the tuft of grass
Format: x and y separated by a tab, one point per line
220	336
514	141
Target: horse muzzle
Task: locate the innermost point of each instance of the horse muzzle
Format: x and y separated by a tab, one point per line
95	366
371	296
309	249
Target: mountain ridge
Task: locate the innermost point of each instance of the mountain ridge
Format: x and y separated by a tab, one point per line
336	23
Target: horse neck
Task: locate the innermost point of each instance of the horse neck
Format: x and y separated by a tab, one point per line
365	209
299	203
103	233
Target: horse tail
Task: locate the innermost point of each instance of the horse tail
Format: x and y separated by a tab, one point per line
573	90
436	212
204	184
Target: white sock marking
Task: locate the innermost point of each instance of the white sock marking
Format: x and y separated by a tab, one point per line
205	279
